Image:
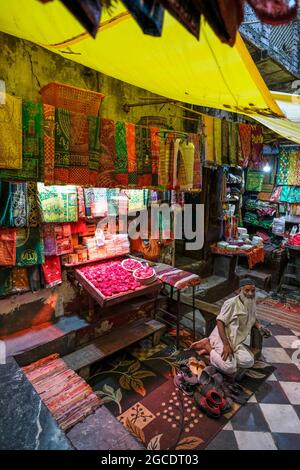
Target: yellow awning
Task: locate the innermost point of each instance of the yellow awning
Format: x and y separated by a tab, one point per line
176	66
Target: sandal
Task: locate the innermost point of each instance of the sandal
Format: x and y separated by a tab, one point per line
183	386
207	406
214	396
187	375
235	392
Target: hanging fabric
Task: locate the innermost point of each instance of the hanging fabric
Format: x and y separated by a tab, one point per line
52	271
208	123
33	209
245	132
106	176
30	248
186	13
155	152
131	154
6	219
233	143
7	246
218	141
144	162
19	204
257	147
188	155
49	142
87	12
121	164
149	15
195	139
81	203
225	142
11	133
20	279
275	12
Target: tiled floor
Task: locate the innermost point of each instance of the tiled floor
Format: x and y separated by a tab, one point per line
271	419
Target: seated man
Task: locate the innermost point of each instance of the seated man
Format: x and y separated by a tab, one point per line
225	344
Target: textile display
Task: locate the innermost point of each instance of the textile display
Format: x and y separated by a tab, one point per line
288	172
195	139
106	176
52	271
112	201
11	133
225	142
34	273
5	280
144	162
57	203
155	152
131	152
19	204
254	180
33	144
208	123
245	134
149	15
30	247
121	163
290	194
57	239
135	200
233	143
87	12
255	255
33	208
69	398
20	279
218	141
257	147
164	162
49	142
188	156
176	277
7	246
95	202
81	202
186	13
5	204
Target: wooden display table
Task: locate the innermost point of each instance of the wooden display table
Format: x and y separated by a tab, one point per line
255	255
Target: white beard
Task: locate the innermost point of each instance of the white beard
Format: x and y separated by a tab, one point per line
250	304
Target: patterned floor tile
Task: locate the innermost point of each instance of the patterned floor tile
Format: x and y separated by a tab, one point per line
292	391
297	333
287	441
271	392
279	330
287	341
271	342
252	399
276	355
228	427
249	418
271	378
225	440
281	418
287	373
255	440
297	409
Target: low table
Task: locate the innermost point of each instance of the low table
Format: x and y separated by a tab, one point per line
177	280
255	255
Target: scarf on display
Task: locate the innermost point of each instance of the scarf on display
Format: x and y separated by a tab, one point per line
164	161
275	12
131	154
225	142
20	279
7	247
187	151
208	122
121	163
186	12
218	141
290	194
57	203
19	204
149	15
245	132
5	281
30	248
233	143
288	172
52	271
33	146
49	142
94	148
81	202
257	147
155	152
106	177
254	180
197	183
11	133
144	162
33	209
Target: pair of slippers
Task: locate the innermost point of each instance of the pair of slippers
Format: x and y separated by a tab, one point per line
213	404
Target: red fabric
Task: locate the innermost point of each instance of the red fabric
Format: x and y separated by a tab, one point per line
257	147
131	153
155	149
295	240
245	132
8	239
275	12
52	271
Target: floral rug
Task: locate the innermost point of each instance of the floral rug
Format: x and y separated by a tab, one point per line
277	311
137	387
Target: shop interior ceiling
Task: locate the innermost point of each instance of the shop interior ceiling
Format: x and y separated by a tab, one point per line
175	65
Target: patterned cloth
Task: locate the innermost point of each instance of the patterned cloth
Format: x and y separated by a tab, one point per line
255	255
33	144
33	208
257	147
121	163
233	143
52	271
288	172
143	152
225	142
30	248
245	133
186	13
254	180
49	142
95	202
197	183
57	203
176	277
19	204
7	246
290	194
149	14
20	280
218	141
11	133
208	123
131	154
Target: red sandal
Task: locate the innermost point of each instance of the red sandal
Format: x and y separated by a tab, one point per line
214	396
207	405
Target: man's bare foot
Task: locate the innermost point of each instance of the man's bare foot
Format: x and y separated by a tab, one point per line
203	346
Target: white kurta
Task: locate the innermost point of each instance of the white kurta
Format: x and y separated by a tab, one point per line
238	323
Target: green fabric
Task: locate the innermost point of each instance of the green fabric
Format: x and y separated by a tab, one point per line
62	137
94	142
5	281
58	203
30	247
252	218
121	164
33	144
290	194
254	180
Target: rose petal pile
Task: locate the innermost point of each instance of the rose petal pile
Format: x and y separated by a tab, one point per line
144	272
131	264
110	278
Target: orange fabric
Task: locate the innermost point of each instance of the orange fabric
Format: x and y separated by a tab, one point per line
131	154
255	255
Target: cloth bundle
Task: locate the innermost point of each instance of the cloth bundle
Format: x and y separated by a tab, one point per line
30	248
57	203
52	271
254	180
